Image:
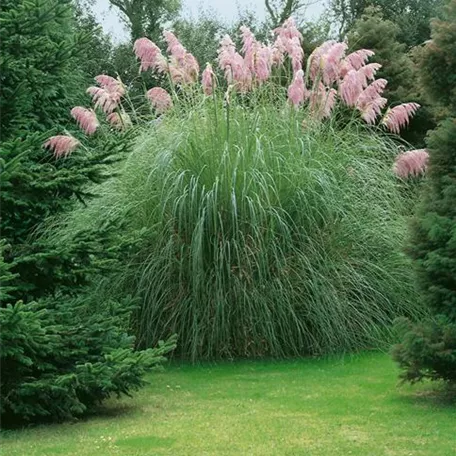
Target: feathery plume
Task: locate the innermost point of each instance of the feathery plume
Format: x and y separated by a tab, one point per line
111	84
371	92
372	109
278	51
208	80
103	99
160	99
61	145
411	163
368	72
399	116
263	63
120	121
315	60
147	52
191	68
249	47
86	119
370	103
297	91
351	87
322	101
330	62
288	41
357	59
183	67
175	47
232	63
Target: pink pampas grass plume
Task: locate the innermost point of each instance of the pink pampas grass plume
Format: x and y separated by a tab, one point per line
297	91
399	116
322	101
191	67
369	71
208	80
330	62
278	51
120	121
110	84
226	55
411	163
147	52
296	53
371	92
103	99
263	63
175	47
288	30
86	119
249	47
108	95
61	145
370	103
372	109
233	65
355	60
288	40
183	68
316	59
351	87
160	99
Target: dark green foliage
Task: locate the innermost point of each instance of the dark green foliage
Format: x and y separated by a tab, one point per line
39	54
61	352
6	276
60	358
411	16
438	63
144	17
35	186
41	84
372	31
429	349
96	57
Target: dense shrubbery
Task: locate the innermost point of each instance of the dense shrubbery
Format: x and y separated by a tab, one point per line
249	225
262	227
58	357
428	350
61	358
276	242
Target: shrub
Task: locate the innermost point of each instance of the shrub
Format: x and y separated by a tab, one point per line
373	31
428	350
281	242
263	228
40	80
60	359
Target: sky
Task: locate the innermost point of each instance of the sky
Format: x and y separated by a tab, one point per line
227	9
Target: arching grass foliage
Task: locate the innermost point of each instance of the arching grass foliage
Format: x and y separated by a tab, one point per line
259	232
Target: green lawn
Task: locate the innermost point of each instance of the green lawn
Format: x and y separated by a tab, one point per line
350	406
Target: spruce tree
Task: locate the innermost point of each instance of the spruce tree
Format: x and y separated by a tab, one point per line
373	31
61	351
428	349
41	80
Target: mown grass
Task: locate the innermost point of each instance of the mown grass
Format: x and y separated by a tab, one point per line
327	407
